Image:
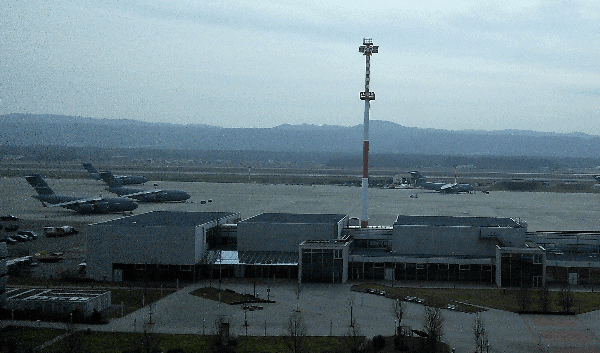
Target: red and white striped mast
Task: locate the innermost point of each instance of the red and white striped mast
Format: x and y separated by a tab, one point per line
367	49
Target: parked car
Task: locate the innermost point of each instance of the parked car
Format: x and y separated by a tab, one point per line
19	237
9	217
9	240
59	231
28	233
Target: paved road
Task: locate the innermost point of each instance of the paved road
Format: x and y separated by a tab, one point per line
326	310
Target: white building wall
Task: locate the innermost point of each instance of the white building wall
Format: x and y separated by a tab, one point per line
3	271
441	241
259	236
58	305
199	242
138	245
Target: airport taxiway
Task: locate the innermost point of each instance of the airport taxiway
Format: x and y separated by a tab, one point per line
543	211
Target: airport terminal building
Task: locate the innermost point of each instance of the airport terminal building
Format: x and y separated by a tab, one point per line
154	246
327	248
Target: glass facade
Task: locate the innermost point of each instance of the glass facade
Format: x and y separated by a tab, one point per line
322	265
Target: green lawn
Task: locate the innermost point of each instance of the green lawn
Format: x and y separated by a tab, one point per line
225	296
22	339
473	300
134	299
117	342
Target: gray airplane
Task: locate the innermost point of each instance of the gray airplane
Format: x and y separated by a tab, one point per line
142	195
125	179
419	180
448	188
78	204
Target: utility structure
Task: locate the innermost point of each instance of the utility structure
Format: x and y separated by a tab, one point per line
367	49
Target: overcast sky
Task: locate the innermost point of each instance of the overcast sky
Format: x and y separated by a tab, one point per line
456	65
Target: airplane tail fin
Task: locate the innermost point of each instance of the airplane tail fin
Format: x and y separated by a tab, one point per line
39	184
110	179
417	177
90	168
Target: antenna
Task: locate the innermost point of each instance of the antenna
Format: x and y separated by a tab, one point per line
367	49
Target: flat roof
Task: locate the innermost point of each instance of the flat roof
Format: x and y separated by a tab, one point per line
213	257
292	218
53	294
573	257
333	243
450	221
166	218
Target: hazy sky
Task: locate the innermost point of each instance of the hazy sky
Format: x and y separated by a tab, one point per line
442	64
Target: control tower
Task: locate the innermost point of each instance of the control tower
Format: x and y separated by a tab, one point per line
367	49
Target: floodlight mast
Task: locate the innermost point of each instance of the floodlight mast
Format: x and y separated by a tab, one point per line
367	49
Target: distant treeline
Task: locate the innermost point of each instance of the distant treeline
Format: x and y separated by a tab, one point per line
417	161
288	159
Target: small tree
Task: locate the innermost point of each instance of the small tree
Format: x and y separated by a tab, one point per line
481	335
566	300
544	298
524	294
351	301
433	326
357	342
398	308
296	332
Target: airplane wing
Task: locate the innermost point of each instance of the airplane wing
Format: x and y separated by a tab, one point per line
448	187
145	192
88	201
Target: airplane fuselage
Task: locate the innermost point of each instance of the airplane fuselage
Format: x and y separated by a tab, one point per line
100	205
132	179
431	186
142	195
456	188
448	188
124	179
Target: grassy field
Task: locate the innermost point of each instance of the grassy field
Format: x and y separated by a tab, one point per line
113	342
24	339
133	299
474	300
226	296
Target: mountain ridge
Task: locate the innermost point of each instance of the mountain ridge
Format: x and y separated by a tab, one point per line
385	137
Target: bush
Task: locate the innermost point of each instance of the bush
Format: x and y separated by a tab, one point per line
176	350
378	342
400	342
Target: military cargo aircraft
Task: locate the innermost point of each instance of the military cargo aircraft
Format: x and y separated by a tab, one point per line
125	179
142	195
449	188
78	204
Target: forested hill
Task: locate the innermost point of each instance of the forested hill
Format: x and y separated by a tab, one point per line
386	138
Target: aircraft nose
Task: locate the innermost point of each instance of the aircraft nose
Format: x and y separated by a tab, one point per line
132	205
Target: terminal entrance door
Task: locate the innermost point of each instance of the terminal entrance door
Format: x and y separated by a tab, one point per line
389	274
